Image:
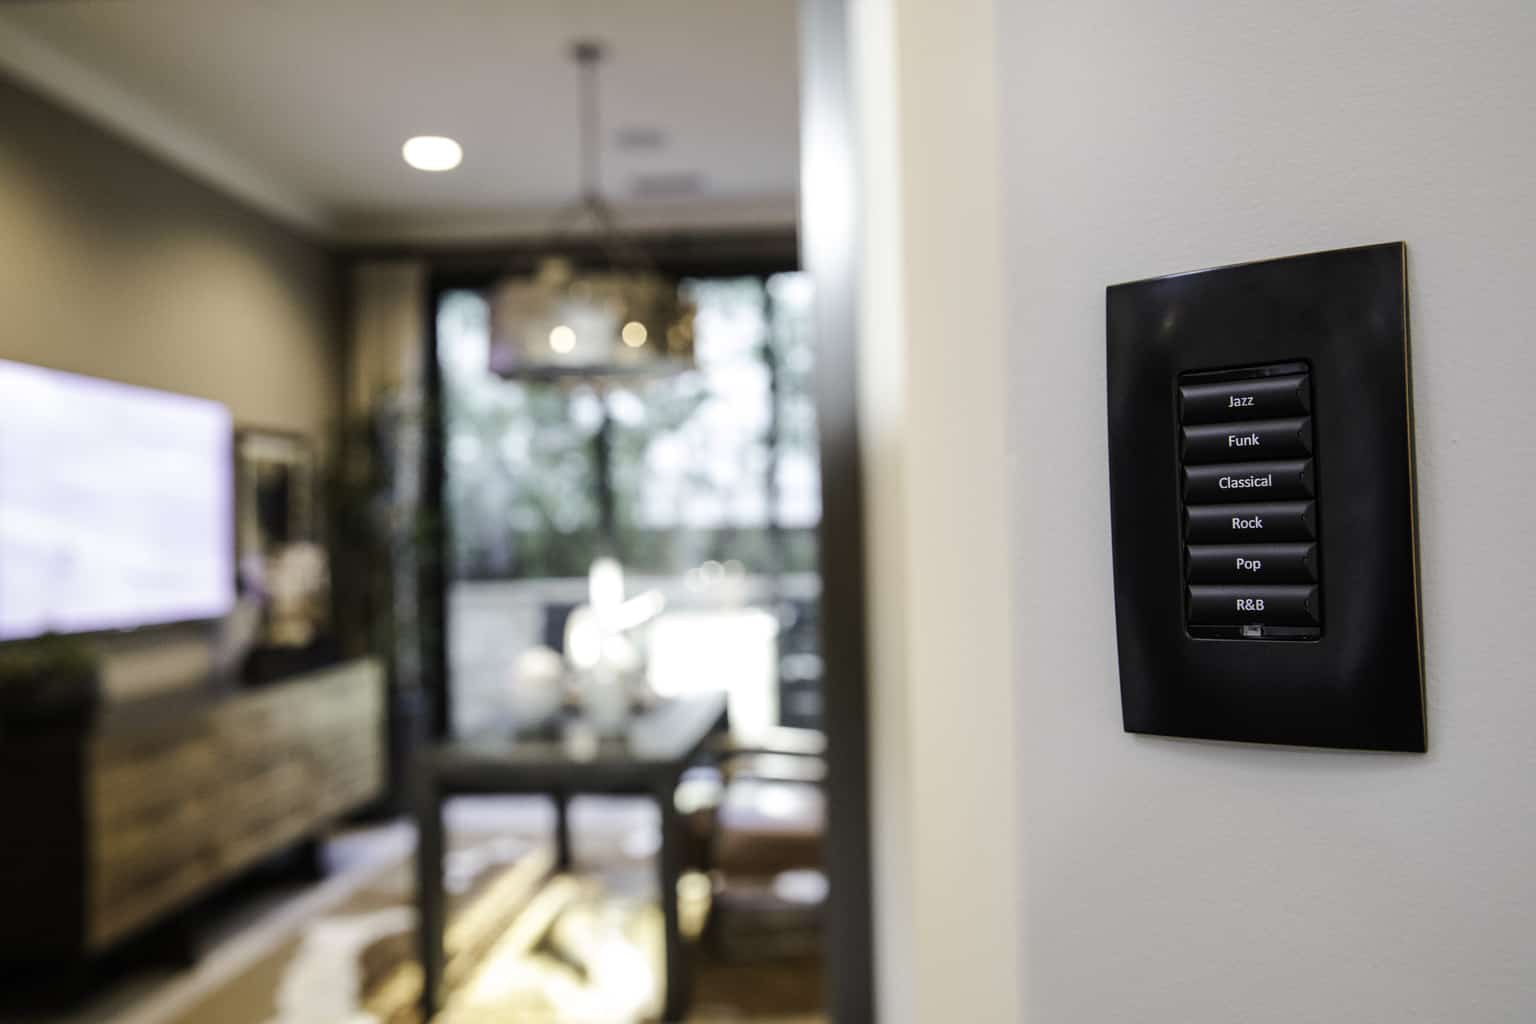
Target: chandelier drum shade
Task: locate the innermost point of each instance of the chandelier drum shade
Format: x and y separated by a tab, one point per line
624	319
561	322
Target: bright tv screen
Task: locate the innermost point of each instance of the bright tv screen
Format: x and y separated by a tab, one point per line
115	505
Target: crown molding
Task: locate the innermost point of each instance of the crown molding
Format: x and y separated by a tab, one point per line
530	223
97	98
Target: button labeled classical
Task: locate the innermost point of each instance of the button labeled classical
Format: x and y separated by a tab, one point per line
1245	605
1252	399
1256	523
1264	439
1253	481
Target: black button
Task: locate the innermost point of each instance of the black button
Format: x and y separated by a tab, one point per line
1253	563
1256	398
1252	481
1265	439
1265	606
1262	523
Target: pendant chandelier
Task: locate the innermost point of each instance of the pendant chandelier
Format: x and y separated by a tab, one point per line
620	319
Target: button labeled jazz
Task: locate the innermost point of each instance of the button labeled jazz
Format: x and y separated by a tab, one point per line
1255	398
1259	523
1233	442
1252	481
1239	606
1253	563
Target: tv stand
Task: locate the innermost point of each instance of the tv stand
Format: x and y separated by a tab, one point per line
115	828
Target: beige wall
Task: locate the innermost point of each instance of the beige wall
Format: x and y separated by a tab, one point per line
112	264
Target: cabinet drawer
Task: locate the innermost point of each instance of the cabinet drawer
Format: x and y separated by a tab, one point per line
127	782
264	835
256	726
173	833
248	802
119	908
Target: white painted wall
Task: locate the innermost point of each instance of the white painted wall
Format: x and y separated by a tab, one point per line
933	430
1173	882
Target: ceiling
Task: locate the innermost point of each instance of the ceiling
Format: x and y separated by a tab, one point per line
301	106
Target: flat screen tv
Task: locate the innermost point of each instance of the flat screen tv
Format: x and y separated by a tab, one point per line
115	505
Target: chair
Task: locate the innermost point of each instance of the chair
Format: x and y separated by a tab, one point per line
758	812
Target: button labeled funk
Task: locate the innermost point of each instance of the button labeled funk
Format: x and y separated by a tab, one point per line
1270	521
1266	439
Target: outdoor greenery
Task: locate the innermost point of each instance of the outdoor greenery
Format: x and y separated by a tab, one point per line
715	463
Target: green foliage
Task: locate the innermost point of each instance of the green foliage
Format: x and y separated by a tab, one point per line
51	660
360	514
522	462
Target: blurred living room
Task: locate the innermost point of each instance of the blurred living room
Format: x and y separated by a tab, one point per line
766	511
410	588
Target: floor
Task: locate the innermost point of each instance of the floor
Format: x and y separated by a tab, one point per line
236	928
243	927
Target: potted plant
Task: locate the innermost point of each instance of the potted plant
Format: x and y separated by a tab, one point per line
48	682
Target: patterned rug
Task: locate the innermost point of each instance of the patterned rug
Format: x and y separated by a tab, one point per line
523	944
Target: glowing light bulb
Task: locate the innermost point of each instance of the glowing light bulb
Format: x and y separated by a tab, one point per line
562	339
432	153
634	334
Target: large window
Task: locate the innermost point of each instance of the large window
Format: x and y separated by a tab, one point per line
717	463
714	469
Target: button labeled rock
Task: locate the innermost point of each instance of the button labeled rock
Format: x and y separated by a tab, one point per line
1259	523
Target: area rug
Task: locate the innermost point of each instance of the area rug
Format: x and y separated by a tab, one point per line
356	962
523	945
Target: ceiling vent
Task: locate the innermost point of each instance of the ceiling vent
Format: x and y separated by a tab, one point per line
667	185
640	138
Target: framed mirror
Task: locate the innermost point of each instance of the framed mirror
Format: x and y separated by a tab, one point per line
279	548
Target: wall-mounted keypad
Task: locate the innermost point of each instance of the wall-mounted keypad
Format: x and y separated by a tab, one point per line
1250	504
1261	502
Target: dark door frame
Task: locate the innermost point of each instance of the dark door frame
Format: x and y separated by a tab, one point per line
829	225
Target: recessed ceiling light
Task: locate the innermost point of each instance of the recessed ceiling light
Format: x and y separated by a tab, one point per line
432	153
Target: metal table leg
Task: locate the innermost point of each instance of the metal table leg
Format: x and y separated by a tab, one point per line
430	898
562	830
670	870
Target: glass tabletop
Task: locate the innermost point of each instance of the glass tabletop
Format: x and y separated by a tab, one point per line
671	732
